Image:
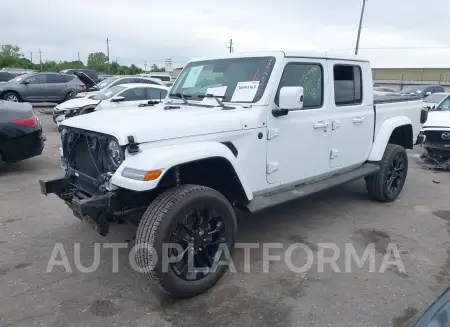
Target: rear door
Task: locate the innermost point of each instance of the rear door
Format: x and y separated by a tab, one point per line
352	113
56	87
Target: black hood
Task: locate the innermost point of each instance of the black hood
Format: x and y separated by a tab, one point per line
85	79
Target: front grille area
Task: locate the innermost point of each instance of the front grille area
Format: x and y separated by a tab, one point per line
85	152
435	137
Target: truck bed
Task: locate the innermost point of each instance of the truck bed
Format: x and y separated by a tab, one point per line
386	107
394	98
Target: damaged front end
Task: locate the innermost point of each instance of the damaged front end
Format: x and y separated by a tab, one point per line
90	159
436	144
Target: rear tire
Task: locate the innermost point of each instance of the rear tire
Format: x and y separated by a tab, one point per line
69	96
386	184
11	96
198	219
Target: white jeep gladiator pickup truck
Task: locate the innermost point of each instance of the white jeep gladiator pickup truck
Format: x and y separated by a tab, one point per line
246	131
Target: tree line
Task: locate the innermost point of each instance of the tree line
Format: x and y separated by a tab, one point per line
11	56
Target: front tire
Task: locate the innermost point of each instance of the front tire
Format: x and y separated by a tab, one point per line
198	220
386	184
11	96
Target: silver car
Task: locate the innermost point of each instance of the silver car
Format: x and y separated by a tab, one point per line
41	87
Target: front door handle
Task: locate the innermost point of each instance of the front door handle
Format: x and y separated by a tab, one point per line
321	124
358	120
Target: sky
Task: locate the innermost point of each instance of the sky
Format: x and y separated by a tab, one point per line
395	33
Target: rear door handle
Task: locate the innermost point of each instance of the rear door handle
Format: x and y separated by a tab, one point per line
358	120
321	124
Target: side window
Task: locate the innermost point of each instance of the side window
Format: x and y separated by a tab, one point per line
123	81
347	85
37	79
135	94
53	78
68	78
156	94
310	77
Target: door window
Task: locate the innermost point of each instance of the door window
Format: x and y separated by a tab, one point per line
156	94
307	75
135	94
347	85
37	79
53	78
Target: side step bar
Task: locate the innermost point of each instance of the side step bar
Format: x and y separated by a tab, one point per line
262	202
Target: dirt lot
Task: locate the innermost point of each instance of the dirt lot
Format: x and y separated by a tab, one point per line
419	223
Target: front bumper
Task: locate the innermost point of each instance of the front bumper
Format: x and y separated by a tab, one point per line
94	209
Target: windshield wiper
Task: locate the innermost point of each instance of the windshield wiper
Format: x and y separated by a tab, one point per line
216	97
180	96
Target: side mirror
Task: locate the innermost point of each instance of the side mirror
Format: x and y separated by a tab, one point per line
118	99
428	93
291	98
25	82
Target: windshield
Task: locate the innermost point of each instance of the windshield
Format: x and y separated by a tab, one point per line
234	79
435	98
21	77
411	89
108	93
445	105
106	82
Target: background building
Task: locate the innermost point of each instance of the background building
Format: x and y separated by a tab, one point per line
397	78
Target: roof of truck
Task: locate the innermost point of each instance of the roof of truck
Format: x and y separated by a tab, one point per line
284	54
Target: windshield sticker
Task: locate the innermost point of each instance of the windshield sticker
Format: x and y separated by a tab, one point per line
245	91
192	77
217	91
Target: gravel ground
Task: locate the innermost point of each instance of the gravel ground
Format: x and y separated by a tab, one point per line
418	224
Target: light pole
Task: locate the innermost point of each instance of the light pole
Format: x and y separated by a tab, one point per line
360	25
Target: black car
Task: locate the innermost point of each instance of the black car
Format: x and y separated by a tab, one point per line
20	132
422	90
89	72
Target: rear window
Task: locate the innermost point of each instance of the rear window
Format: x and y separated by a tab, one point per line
162	78
56	78
347	85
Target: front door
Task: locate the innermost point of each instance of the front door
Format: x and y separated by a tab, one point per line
298	143
352	114
34	88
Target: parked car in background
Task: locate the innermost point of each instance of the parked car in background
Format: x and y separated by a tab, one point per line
119	96
378	90
165	78
422	90
20	132
89	72
41	87
6	76
434	100
119	80
18	71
